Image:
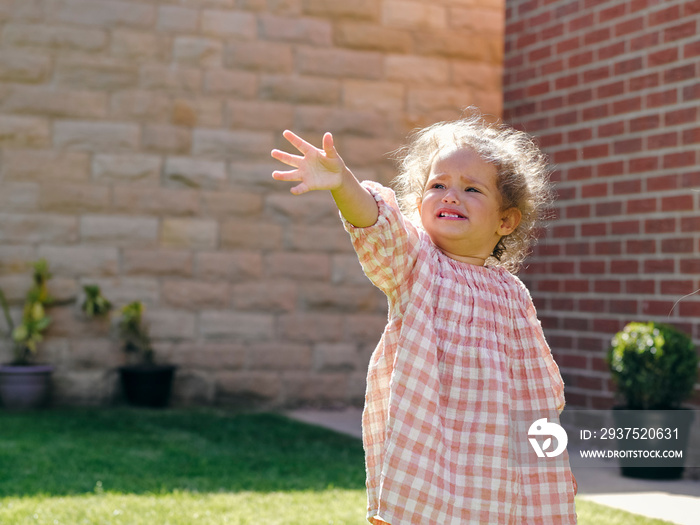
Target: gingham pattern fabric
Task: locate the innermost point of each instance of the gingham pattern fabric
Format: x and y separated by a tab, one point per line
462	347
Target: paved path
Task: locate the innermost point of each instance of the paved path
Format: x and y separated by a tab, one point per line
674	501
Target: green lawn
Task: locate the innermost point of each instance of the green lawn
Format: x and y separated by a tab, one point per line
148	467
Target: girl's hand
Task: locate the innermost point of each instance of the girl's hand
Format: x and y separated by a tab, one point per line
317	169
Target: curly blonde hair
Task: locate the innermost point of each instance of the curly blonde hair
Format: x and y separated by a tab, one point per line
522	175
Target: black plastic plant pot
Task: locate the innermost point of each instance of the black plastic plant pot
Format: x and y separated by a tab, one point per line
147	385
662	431
25	387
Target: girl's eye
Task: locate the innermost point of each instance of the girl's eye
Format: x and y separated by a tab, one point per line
472	189
438	186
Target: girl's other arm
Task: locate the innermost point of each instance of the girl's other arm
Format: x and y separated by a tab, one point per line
323	169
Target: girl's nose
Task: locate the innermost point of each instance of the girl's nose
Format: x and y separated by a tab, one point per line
450	196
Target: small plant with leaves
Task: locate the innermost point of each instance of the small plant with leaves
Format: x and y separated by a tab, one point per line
134	332
654	365
29	332
95	304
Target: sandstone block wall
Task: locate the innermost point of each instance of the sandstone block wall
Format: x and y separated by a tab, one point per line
134	154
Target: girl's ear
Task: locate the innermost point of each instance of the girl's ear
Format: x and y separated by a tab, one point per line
509	221
419	203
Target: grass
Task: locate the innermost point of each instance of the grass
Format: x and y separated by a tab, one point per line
144	467
590	513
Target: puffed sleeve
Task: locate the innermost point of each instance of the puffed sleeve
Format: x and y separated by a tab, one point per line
544	354
388	249
541	367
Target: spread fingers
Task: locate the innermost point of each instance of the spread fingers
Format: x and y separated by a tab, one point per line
286	175
299	143
287	158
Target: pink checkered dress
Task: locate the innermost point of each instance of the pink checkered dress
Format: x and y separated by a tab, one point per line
462	347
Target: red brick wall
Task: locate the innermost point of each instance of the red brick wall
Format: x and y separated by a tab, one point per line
611	90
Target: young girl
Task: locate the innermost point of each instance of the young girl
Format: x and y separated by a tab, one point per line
463	348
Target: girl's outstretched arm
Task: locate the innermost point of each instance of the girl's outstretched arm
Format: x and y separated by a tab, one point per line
323	169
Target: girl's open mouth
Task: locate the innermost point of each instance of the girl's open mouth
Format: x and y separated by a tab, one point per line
450	215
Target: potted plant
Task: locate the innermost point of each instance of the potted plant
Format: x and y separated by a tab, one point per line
95	304
24	384
145	383
654	367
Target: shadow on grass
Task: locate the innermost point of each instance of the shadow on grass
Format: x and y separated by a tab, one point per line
131	451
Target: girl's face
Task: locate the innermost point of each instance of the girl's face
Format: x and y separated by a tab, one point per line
461	206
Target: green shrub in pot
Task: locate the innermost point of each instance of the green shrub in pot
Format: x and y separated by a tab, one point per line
653	365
